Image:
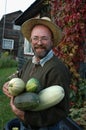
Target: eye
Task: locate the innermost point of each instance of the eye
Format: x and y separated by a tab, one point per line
34	39
44	38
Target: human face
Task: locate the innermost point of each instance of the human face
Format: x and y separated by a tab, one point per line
41	41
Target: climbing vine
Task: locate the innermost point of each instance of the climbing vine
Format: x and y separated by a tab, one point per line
70	16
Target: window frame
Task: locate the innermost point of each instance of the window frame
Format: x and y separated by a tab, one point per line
7	44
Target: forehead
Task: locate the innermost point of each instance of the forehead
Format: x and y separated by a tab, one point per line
40	28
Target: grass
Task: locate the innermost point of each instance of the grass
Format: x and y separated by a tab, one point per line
5	111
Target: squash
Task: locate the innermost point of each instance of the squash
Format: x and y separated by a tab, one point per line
32	85
26	101
45	99
16	86
49	97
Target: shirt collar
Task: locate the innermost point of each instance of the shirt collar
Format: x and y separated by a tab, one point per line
43	60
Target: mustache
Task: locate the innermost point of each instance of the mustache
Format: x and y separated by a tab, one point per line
39	46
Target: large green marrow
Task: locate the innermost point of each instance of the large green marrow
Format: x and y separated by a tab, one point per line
26	101
49	97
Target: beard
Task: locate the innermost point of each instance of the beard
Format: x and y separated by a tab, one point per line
41	51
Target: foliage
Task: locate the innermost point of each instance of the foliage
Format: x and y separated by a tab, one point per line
79	115
7	60
78	96
71	17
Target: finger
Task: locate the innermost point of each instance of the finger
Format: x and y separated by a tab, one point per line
11	101
6	92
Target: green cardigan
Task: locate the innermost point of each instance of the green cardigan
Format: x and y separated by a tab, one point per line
54	72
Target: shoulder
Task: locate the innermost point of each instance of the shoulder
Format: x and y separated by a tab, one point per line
55	61
57	65
29	61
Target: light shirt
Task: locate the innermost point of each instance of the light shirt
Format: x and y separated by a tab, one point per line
43	60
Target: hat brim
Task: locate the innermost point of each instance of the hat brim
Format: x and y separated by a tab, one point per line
29	24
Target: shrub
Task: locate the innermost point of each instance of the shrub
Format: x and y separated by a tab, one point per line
7	60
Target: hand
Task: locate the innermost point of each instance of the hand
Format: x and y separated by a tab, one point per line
17	111
5	90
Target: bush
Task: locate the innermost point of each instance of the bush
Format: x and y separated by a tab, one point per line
7	60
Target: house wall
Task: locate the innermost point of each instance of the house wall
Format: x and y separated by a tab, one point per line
7	32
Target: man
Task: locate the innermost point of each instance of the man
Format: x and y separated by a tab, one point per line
48	69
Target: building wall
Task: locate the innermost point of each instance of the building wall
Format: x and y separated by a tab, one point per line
7	31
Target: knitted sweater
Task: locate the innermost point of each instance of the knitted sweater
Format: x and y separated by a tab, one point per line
54	72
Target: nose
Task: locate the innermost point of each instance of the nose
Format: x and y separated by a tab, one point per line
39	42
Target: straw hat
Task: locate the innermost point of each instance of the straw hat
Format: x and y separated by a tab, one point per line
29	24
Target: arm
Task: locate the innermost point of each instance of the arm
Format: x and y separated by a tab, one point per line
17	111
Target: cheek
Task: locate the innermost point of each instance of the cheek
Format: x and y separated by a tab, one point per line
49	44
32	45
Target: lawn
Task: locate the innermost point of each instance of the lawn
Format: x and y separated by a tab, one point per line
5	111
